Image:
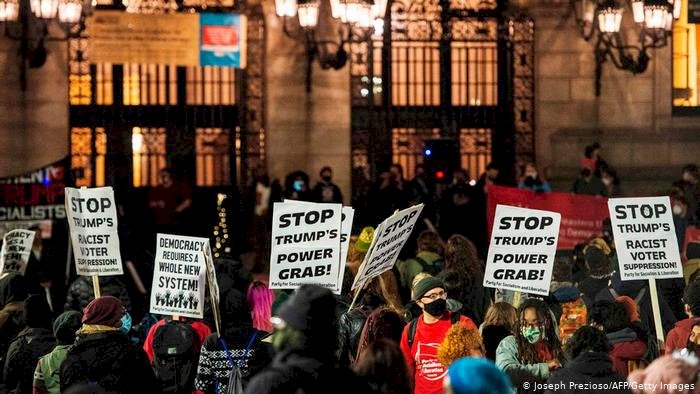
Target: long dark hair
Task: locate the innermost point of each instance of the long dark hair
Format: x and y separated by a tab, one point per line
383	366
526	351
461	256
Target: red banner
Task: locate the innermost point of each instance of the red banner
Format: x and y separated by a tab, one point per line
581	216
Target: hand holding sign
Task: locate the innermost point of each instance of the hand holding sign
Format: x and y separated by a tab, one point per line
521	254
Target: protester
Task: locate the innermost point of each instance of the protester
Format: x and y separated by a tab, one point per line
500	322
200	328
81	292
460	342
534	350
383	323
102	354
296	186
463	276
13	292
260	299
382	365
691	266
304	340
598	271
588	184
325	190
590	366
239	343
611	183
34	341
428	258
421	337
169	202
628	346
47	379
673	373
565	300
533	180
678	337
476	376
690	177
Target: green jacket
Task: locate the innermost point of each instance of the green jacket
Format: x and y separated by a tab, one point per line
507	359
47	376
410	268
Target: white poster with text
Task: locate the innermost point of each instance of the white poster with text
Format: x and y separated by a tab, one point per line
16	248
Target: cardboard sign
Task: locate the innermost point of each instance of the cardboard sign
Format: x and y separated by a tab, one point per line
92	218
645	238
305	245
389	239
16	248
179	276
521	253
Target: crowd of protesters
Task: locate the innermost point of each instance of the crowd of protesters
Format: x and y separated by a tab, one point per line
427	326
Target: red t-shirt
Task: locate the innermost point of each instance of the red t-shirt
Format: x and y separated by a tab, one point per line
202	330
422	360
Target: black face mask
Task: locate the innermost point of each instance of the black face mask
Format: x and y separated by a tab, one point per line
326	179
436	308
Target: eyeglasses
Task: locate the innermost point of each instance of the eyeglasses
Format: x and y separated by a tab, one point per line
435	296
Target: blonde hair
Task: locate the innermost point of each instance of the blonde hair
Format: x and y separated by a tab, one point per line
501	314
459	342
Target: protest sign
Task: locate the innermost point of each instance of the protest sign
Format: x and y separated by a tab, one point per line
389	238
213	286
16	247
305	245
645	238
179	275
521	254
581	216
92	218
345	233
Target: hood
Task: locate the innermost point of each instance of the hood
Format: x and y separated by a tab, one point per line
624	335
629	350
592	364
627	287
687	324
566	294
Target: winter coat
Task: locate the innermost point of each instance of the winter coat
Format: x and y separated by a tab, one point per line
22	356
110	360
81	292
588	368
473	296
590	287
350	327
508	359
626	347
13	290
410	268
48	371
678	337
214	369
492	337
294	372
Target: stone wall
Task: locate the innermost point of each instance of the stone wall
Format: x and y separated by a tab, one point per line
33	124
631	117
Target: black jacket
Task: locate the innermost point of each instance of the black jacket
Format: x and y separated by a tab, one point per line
350	327
111	361
22	357
589	368
81	292
293	372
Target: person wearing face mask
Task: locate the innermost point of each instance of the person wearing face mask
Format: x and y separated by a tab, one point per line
326	191
534	351
532	180
422	337
684	332
688	185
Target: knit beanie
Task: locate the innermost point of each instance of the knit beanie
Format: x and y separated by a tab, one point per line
65	326
364	240
425	285
104	311
477	376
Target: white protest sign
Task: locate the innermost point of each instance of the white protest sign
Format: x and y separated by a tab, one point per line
645	238
305	245
345	233
179	276
389	239
92	218
16	248
521	253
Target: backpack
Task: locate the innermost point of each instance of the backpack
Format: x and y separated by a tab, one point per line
412	326
432	269
174	357
235	379
573	317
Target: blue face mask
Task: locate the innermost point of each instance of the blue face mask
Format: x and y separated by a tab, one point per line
126	323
